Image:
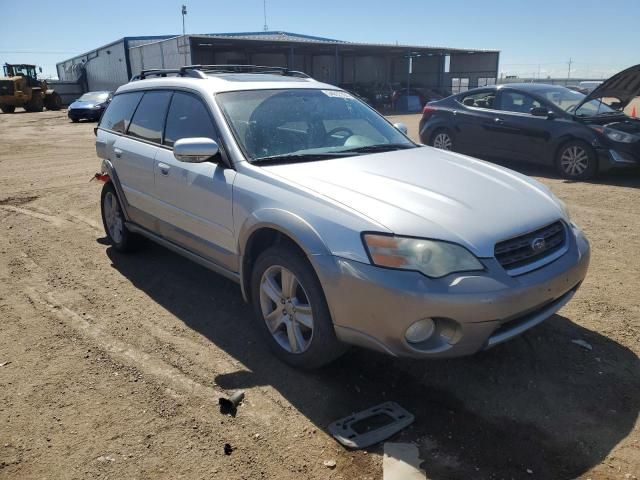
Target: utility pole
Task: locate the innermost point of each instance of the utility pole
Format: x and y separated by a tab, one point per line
264	9
184	12
569	72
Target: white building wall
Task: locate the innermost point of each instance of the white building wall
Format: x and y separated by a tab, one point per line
106	68
171	53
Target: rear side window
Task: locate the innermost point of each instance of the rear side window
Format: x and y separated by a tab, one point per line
187	117
119	112
148	121
479	100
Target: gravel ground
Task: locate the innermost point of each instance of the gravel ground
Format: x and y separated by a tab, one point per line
111	365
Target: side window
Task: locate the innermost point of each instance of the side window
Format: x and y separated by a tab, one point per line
148	121
119	112
517	102
479	99
188	117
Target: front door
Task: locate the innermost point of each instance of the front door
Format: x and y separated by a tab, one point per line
522	136
194	200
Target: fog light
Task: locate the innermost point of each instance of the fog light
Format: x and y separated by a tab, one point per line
420	330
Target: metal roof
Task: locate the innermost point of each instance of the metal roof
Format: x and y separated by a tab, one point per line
288	37
275	35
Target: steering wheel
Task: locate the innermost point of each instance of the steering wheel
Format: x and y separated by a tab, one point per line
340	129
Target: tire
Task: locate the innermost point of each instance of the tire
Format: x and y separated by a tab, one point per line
35	104
120	238
576	160
75	120
7	108
304	336
53	102
442	139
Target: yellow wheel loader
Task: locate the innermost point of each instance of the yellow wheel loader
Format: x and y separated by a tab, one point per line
20	87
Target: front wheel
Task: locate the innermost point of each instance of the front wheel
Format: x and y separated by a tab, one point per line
291	309
7	108
53	101
576	160
442	139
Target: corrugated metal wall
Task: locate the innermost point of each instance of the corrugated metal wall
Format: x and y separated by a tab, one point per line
106	68
171	53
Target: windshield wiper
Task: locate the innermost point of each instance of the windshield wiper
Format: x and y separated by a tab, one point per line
382	147
298	157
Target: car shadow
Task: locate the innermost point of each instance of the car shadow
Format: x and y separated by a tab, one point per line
619	178
540	402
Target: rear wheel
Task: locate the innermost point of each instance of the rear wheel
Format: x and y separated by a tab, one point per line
576	160
113	220
36	103
53	101
442	139
291	309
7	108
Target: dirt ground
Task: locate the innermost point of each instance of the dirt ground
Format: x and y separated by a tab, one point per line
111	365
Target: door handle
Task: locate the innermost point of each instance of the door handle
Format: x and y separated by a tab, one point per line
498	120
164	168
117	152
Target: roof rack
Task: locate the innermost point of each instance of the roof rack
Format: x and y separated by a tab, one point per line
202	71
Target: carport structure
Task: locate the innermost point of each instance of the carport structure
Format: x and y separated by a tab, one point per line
345	63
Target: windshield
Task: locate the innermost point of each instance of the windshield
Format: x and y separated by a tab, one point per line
568	100
306	124
94	97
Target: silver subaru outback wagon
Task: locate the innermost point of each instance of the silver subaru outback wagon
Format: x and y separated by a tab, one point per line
338	228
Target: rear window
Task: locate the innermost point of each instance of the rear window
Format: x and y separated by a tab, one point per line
118	114
148	121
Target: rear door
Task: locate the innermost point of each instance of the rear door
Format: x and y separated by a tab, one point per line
520	135
135	153
195	199
473	122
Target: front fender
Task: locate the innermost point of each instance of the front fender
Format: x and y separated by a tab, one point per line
285	222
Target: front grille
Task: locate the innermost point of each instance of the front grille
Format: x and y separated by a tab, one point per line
523	250
7	87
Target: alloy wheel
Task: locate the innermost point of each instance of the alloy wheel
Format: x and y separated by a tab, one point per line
286	309
112	217
574	160
442	141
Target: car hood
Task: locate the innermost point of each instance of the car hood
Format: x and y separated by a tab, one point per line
424	192
79	104
624	86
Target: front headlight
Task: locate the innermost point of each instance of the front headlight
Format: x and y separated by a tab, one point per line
98	105
617	135
431	257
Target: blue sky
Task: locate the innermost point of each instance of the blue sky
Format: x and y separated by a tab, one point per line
533	35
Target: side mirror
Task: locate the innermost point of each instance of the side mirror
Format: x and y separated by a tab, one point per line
402	127
541	112
195	150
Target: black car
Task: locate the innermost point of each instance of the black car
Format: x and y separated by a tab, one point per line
89	106
546	124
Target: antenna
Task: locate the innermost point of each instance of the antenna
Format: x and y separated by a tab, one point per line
264	8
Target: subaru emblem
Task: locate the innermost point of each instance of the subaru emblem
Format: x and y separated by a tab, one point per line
538	244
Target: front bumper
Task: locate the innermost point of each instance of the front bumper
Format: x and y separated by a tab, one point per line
373	306
84	114
619	157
